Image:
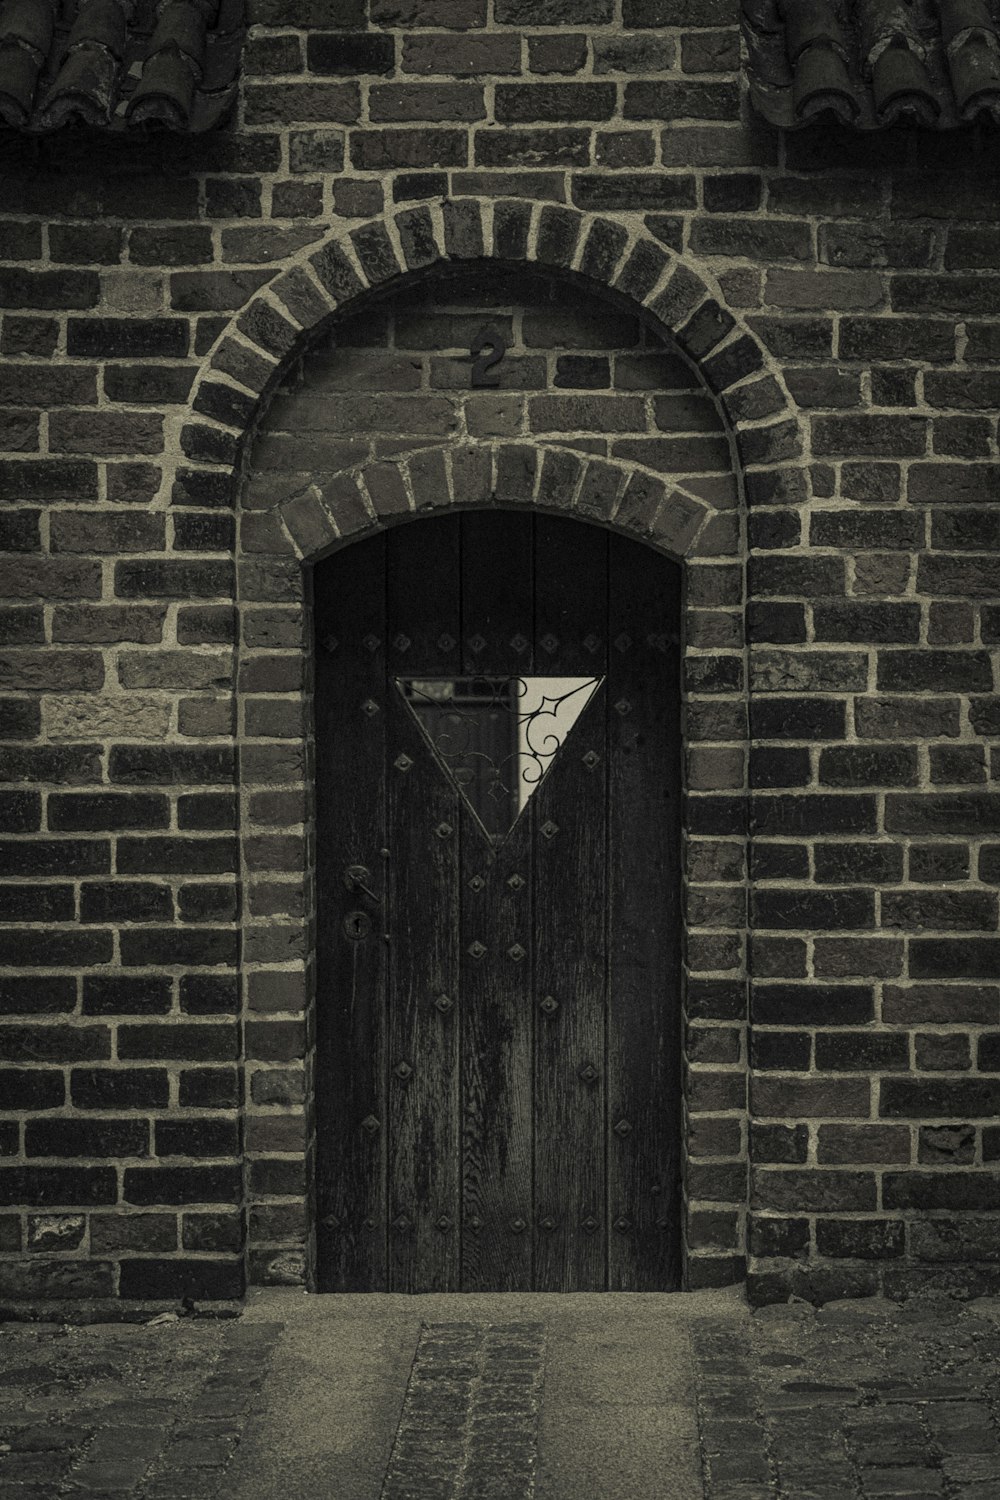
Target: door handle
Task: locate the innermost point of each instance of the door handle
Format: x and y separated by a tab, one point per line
356	878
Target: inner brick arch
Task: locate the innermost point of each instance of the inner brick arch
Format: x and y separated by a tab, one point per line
278	542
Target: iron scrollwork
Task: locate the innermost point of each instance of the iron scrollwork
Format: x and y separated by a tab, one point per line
497	737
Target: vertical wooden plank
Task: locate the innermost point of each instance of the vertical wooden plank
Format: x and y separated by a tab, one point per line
570	856
350	821
644	1041
496	1061
496	938
424	1010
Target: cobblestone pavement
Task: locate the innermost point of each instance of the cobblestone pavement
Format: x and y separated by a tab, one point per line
855	1401
112	1411
469	1423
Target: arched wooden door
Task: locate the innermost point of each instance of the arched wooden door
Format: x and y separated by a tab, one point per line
498	944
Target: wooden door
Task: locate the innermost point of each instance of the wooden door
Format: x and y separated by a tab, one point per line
498	940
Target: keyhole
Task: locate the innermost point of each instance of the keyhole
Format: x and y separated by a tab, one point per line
357	925
482	362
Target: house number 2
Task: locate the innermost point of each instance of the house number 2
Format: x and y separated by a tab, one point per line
488	350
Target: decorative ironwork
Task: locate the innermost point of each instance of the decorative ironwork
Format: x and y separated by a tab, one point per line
403	1070
549	643
444	830
497	737
372	642
623	707
370	1125
369	707
443	1223
402	642
477	643
477	949
591	643
446	642
623	1224
549	1005
591	760
516	952
623	1128
623	641
588	1073
476	884
518	1225
547	1224
515	883
402	762
444	1003
329	643
590	1224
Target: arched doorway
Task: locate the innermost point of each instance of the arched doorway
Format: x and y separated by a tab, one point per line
498	937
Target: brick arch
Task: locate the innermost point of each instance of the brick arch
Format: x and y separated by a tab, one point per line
611	492
600	252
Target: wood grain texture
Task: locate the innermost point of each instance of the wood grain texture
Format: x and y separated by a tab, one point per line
350	1001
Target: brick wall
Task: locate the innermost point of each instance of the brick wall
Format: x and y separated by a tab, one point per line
837	294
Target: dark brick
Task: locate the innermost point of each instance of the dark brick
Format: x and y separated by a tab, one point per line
49	289
208	1137
86	1138
210	1088
31	1088
41	994
349	53
45	1187
200	1279
126	995
64	949
182	1185
861	1239
954	958
119	1088
127	338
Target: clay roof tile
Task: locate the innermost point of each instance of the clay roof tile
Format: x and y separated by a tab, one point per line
119	63
873	63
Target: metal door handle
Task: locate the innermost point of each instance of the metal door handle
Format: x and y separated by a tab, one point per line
356	878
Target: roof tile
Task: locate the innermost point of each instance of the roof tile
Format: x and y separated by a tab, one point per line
874	63
116	63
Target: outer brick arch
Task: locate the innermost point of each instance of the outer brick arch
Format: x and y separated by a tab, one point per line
612	254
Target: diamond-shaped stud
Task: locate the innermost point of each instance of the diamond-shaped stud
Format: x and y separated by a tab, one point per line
588	1073
591	760
444	830
370	1125
371	643
446	642
518	644
591	643
330	1222
516	952
659	642
401	1222
329	643
589	1224
549	1005
477	883
549	643
369	707
475	1222
369	1223
402	642
477	644
402	762
515	883
518	1226
477	949
547	1224
623	641
403	1070
623	1223
623	707
549	828
623	1128
443	1223
444	1003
